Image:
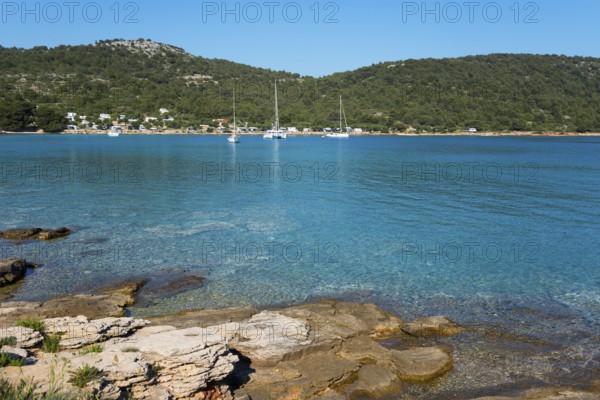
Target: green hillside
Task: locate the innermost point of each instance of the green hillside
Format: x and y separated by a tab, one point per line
500	92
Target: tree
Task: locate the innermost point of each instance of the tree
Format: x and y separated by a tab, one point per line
50	119
15	115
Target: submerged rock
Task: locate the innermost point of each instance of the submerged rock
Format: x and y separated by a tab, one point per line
20	234
12	270
35	233
110	304
421	364
432	326
165	284
54	234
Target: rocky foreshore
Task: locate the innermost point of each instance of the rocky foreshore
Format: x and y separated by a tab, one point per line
324	350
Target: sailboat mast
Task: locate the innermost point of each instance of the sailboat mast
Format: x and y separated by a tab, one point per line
276	109
340	114
234	120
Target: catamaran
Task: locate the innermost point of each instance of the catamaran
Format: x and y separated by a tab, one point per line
341	134
234	138
275	132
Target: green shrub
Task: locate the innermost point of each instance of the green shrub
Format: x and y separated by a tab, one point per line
8	361
8	341
32	323
85	375
93	348
51	343
23	391
130	350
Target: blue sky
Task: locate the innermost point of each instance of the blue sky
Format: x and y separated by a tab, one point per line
314	37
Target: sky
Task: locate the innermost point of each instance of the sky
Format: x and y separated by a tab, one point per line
313	37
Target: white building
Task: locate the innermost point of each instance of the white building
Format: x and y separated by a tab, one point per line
472	130
170	119
148	119
163	111
71	116
122	116
105	116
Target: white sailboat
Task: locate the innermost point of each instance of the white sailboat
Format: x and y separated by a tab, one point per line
115	131
234	138
341	134
275	132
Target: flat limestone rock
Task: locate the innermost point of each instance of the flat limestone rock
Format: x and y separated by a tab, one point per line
432	326
122	369
109	304
375	381
307	378
364	350
421	364
79	331
270	337
188	363
205	318
14	352
343	320
26	338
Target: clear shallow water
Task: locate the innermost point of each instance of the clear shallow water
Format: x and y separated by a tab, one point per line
401	221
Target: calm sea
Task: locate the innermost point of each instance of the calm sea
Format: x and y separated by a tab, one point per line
462	225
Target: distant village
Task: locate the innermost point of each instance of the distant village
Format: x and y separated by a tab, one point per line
151	124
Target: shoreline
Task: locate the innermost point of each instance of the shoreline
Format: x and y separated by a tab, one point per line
321	134
503	356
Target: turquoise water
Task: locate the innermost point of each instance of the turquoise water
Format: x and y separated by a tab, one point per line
406	221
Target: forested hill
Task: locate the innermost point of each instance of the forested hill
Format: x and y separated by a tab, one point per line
499	92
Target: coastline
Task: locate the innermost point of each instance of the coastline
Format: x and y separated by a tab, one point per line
321	134
352	346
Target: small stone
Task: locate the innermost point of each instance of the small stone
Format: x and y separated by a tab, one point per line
14	352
